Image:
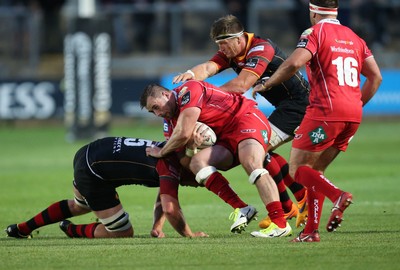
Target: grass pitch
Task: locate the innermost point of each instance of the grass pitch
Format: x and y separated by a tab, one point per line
36	170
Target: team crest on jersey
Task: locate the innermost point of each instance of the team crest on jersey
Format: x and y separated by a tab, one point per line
307	32
183	91
185	98
317	135
252	63
264	134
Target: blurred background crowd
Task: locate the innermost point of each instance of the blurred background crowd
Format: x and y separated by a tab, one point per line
151	37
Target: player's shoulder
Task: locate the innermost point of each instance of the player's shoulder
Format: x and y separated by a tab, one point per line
258	44
192	85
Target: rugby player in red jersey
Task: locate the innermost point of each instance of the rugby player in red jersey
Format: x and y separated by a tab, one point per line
335	57
242	133
254	58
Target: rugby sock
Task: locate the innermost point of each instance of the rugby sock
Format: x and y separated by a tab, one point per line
313	179
274	170
218	184
275	213
315	201
82	230
54	213
297	189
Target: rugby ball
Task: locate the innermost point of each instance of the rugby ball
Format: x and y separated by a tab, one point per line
210	138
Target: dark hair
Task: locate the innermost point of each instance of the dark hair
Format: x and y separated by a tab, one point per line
152	90
225	25
325	3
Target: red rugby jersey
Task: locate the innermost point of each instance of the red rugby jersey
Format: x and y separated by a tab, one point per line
334	71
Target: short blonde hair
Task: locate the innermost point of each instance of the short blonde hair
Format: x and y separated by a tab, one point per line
226	27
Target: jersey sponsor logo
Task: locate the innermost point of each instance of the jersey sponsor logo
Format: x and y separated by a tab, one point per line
117	145
185	99
252	63
346	42
249	130
307	32
302	43
183	91
264	134
342	50
259	48
317	135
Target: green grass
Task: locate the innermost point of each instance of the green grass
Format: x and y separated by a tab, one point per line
36	170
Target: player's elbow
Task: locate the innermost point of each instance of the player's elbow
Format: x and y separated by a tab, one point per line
170	204
169	210
378	79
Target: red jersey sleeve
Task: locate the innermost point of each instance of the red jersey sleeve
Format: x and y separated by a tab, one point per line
221	60
168	171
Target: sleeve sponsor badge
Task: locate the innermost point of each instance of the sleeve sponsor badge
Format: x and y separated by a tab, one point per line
185	98
251	63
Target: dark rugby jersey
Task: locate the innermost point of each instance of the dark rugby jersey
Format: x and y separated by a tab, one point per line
262	58
123	160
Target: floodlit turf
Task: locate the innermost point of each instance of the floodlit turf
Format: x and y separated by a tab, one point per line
36	170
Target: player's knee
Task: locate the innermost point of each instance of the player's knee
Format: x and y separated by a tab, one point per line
293	171
119	222
204	173
256	174
80	202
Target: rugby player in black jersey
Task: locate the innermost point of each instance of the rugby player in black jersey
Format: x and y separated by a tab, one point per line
99	168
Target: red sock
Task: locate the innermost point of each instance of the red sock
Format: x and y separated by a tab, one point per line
82	230
274	170
315	202
312	179
275	213
218	184
297	189
54	213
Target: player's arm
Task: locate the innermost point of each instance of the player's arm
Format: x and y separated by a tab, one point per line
199	72
192	146
158	220
373	80
241	83
174	214
183	130
286	70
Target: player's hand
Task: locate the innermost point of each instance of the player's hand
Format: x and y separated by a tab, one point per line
157	234
153	151
260	86
182	77
200	234
199	135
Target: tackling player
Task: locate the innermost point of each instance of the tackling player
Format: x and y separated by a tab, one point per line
102	166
